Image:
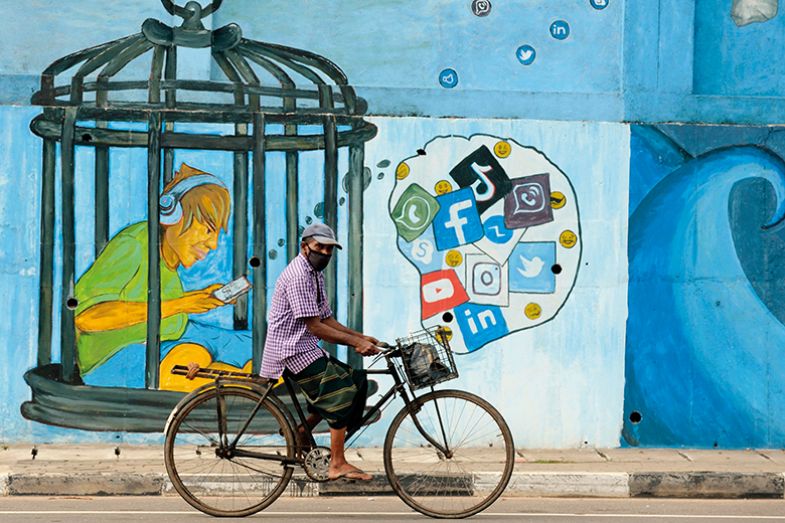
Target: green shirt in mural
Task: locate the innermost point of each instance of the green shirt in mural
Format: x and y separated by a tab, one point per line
120	274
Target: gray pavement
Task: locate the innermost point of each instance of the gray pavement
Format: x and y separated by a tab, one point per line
91	470
388	509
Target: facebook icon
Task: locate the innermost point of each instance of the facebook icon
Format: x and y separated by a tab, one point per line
458	221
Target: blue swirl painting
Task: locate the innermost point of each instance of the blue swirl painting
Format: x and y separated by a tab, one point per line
706	306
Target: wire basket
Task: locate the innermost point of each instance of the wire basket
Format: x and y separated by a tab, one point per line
427	357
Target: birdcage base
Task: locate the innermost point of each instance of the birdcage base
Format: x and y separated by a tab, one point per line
113	409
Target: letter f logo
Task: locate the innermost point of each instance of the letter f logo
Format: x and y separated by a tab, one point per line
456	222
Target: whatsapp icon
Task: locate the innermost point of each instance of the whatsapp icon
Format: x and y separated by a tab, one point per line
414	212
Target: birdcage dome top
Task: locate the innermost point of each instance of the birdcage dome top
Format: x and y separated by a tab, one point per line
291	86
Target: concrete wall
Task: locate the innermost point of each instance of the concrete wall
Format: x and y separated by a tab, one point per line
662	326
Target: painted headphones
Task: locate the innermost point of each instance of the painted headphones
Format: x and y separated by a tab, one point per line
169	202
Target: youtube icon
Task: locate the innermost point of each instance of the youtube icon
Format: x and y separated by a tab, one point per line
440	291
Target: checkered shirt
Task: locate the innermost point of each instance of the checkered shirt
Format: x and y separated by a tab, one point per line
299	294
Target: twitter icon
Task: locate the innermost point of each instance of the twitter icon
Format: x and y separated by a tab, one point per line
530	268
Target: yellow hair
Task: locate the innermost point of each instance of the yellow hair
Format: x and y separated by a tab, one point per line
209	204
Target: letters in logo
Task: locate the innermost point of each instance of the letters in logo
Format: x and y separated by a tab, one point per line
480	324
440	291
484	175
528	203
414	212
457	222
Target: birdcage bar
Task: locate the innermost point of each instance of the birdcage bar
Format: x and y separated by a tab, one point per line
170	100
67	330
101	205
355	254
259	242
46	282
153	251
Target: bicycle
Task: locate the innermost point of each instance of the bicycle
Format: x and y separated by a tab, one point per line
231	450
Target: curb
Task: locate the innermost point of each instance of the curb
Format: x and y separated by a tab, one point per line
522	484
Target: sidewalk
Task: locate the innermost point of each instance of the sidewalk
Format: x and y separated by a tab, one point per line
91	470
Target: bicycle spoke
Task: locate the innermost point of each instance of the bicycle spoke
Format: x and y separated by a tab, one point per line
215	481
449	485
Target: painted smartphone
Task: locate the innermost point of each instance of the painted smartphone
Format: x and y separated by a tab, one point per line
233	290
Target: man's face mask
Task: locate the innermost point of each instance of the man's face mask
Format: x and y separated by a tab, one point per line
318	260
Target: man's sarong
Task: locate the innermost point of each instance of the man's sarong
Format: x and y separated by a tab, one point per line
335	391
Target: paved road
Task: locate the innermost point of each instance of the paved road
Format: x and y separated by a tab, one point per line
387	509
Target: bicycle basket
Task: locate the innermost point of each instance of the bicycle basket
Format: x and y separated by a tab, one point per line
427	358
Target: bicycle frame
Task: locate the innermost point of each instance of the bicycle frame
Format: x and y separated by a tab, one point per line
223	379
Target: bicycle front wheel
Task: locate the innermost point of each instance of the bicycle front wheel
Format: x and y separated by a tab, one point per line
210	477
473	467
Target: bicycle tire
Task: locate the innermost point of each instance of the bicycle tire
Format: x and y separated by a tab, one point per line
468	481
228	486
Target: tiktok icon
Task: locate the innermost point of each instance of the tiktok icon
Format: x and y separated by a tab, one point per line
486	177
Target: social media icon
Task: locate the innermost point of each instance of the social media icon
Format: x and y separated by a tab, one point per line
457	222
448	78
481	7
599	4
496	231
480	324
422	252
530	268
440	291
528	203
484	175
526	54
414	212
560	30
487	279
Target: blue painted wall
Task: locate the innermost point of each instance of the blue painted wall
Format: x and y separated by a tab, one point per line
671	208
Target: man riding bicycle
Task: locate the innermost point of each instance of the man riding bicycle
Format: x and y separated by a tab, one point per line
298	318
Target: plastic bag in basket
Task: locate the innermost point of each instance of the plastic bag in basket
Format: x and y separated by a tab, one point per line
424	363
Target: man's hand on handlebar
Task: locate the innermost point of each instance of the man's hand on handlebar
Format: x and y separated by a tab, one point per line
366	347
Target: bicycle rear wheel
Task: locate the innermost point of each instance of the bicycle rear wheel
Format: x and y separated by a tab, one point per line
473	472
216	481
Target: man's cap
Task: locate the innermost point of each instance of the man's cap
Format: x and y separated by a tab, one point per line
321	233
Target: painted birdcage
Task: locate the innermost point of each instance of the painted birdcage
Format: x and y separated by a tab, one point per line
275	98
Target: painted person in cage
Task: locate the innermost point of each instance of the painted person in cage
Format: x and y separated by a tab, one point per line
299	317
111	315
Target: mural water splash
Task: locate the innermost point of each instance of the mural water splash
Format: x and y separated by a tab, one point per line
699	368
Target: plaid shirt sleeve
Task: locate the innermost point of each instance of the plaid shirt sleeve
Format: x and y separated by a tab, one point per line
324	310
301	293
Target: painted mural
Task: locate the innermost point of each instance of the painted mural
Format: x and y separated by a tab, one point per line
707	206
605	283
493	228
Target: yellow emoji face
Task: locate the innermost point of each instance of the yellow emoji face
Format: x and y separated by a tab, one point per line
442	187
453	258
558	200
443	333
533	311
568	239
402	171
502	149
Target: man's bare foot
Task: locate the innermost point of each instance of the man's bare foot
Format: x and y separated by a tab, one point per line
347	471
